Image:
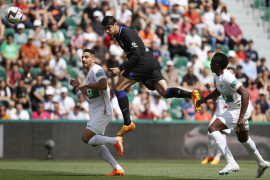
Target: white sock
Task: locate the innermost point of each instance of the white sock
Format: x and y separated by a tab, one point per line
102	140
223	147
219	154
252	150
211	145
105	154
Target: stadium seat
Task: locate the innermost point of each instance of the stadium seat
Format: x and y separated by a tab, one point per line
9	31
180	61
36	71
2	73
21	70
70	21
73	96
176	102
71	72
225	49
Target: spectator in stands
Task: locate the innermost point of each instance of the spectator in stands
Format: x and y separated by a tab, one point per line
253	53
76	114
203	115
193	42
225	15
139	101
90	36
19	114
10	52
45	52
158	105
173	17
147	113
40	113
102	53
207	62
206	78
159	38
38	33
96	23
20	95
77	40
234	33
56	85
3	113
253	92
39	12
241	76
59	66
156	52
66	103
123	16
190	81
216	33
88	13
241	54
25	11
257	115
232	59
112	61
29	52
116	50
55	38
55	115
20	37
48	99
263	103
208	14
195	18
263	79
156	18
28	76
196	64
13	76
262	66
188	111
56	16
143	16
11	106
249	68
203	50
170	75
5	93
177	43
147	35
37	92
184	26
83	103
47	73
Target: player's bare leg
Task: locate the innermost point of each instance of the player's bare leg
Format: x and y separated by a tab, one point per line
98	142
122	84
250	146
162	88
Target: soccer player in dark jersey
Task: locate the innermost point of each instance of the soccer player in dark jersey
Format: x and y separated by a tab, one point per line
141	66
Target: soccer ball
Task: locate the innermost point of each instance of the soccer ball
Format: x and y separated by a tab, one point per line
14	15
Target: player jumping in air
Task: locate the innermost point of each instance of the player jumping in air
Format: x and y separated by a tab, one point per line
97	91
141	66
236	117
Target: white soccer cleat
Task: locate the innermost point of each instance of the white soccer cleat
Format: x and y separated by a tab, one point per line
261	168
229	168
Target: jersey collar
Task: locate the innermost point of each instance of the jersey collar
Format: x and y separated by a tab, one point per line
120	30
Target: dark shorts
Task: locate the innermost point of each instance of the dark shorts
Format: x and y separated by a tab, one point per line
145	74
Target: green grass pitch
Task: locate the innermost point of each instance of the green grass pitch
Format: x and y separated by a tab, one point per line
134	169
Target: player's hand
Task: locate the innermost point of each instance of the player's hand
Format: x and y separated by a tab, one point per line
241	125
115	72
201	101
74	83
80	87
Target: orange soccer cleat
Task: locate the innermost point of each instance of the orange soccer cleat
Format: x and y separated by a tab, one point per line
207	160
116	172
125	129
119	146
215	162
195	97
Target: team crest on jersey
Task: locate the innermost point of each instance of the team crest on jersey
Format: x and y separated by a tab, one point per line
233	84
133	45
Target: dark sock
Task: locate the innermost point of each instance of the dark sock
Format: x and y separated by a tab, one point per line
124	106
178	93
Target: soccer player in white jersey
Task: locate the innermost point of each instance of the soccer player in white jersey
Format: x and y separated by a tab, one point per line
235	118
98	93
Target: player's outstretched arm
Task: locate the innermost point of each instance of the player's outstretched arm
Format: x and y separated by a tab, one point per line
212	95
244	105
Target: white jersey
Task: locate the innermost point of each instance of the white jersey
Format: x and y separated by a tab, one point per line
227	85
99	99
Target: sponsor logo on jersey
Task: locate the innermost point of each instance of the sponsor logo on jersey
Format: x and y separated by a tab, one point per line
99	74
233	84
133	45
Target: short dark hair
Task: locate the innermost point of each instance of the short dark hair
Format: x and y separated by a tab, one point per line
91	51
108	20
221	59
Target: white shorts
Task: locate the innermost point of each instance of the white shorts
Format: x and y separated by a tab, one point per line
231	116
98	123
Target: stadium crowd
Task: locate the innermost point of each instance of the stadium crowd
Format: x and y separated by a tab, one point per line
40	55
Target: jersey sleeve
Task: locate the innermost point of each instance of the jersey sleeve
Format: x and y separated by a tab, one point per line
231	81
135	52
100	74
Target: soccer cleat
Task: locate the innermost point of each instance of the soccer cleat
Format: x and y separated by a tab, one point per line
119	146
195	97
215	162
116	172
125	129
229	168
207	160
261	168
